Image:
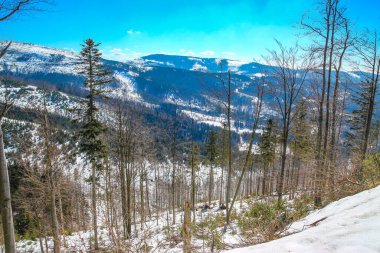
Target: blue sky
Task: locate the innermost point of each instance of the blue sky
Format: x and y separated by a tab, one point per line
236	29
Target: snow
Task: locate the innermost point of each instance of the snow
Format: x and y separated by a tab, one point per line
126	89
352	74
38	59
348	225
259	75
199	67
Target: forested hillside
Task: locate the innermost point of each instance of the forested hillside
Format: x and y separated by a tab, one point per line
174	153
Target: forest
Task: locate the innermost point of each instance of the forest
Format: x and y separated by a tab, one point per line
85	170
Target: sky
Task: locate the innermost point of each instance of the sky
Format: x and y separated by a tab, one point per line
234	29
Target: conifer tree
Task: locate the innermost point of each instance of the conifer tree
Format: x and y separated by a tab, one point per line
267	151
301	144
91	131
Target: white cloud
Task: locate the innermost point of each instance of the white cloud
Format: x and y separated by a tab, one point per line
116	50
208	52
228	53
137	54
189	52
116	54
131	32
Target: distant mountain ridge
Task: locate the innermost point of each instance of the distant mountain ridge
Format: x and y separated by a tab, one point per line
188	83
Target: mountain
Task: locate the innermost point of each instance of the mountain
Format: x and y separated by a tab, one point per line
190	84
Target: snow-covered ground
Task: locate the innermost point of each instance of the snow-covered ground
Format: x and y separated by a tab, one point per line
350	225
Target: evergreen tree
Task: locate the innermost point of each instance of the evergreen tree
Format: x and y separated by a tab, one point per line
301	144
358	119
267	151
91	131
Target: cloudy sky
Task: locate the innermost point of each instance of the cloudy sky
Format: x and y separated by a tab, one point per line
235	29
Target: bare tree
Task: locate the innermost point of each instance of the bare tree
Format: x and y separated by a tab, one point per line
367	48
289	76
49	153
7	10
323	30
5	193
344	43
258	106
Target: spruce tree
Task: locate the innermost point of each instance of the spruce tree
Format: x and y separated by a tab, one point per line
91	143
301	144
267	151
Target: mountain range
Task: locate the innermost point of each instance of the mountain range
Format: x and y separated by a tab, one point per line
192	85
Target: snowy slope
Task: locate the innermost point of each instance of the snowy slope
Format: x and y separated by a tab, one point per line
349	225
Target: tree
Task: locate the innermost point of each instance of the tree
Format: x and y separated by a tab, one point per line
49	153
367	48
301	144
8	8
187	229
225	98
211	147
5	193
91	131
194	163
342	47
323	29
258	106
286	87
267	151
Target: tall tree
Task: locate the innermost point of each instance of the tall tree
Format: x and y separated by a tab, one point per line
49	153
257	112
91	131
368	50
5	193
211	147
323	29
286	87
267	152
8	8
344	43
301	143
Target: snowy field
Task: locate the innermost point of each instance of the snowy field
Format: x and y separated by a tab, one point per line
350	225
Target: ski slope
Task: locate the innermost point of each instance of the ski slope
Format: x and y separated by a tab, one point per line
349	225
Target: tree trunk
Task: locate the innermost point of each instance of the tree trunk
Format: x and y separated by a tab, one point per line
211	184
187	229
283	162
229	175
94	209
5	201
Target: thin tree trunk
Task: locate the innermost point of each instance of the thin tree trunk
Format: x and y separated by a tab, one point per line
94	208
5	200
187	229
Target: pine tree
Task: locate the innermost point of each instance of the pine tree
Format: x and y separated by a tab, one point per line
267	151
91	131
301	144
358	119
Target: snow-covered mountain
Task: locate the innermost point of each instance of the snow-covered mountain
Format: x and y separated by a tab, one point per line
188	83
